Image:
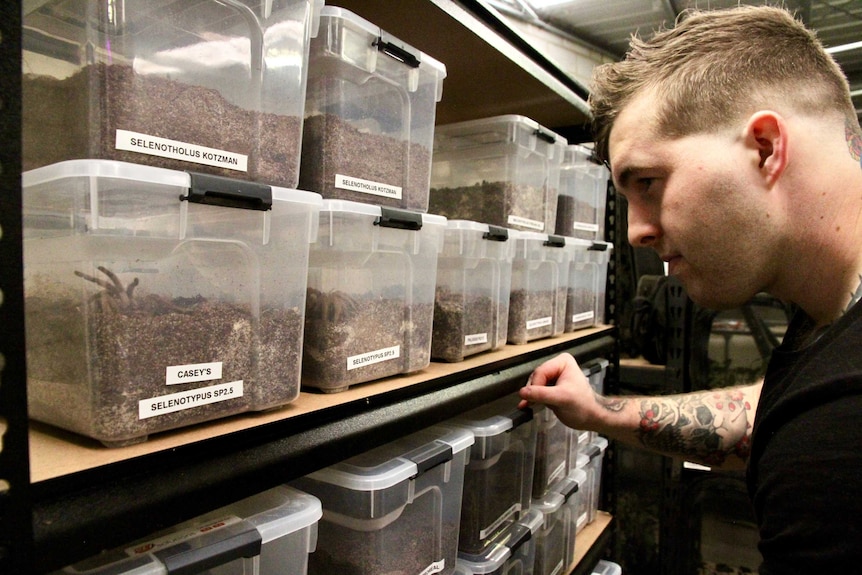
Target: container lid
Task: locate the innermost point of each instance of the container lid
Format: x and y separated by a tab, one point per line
493	425
548	504
582	460
346	206
397	461
462	568
532	519
144	174
422	59
491	560
223	535
604	567
483	124
594	366
596	448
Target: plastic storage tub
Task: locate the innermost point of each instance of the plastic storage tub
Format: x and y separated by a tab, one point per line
595	450
503	171
588	275
551	536
498	479
474	277
595	371
585	489
259	535
512	552
393	509
607	568
369	115
540	278
553	449
582	201
156	299
371	284
216	86
572	488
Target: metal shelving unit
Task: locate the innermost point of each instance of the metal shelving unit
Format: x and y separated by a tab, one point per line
51	522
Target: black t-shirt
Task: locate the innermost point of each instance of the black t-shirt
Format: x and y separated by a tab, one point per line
805	470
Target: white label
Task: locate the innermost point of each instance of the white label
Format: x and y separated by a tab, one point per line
372	357
585	227
192	372
367	187
526	223
490	529
188	399
541	322
176	150
583	316
180	536
475	338
435	567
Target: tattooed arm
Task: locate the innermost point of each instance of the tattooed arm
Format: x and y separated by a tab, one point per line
711	427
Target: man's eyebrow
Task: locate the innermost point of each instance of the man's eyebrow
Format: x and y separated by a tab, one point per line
626	175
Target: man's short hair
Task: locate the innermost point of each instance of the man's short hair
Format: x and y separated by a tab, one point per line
716	67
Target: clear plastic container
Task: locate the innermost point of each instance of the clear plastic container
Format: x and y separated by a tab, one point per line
474	277
371	285
540	279
156	298
369	115
585	488
595	450
582	201
259	535
595	371
572	487
503	171
607	568
216	86
497	483
588	276
393	509
551	537
553	448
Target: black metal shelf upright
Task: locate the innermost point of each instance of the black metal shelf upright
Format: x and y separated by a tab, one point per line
15	526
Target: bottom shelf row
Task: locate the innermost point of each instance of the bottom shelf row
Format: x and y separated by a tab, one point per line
495	490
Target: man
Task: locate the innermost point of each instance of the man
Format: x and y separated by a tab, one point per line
735	142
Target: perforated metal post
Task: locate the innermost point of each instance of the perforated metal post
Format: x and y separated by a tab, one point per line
16	534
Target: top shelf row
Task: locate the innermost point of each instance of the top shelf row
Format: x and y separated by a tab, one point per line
238	88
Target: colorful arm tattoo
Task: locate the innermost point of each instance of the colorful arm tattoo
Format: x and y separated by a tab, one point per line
706	427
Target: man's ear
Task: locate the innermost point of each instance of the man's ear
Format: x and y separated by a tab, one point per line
767	133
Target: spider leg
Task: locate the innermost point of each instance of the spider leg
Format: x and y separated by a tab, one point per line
98	281
117	284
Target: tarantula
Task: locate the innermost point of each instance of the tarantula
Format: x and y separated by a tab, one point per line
333	306
115	297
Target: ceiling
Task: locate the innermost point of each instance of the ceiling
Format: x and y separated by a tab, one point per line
607	24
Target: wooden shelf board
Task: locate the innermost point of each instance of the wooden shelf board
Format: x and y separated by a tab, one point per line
55	453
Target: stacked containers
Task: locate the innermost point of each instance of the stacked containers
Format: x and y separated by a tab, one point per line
587	284
503	171
498	479
511	553
156	299
258	535
216	86
369	115
371	284
540	275
572	488
595	451
550	556
394	509
474	276
553	450
581	203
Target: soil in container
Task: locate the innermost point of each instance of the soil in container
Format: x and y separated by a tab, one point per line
492	203
456	316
